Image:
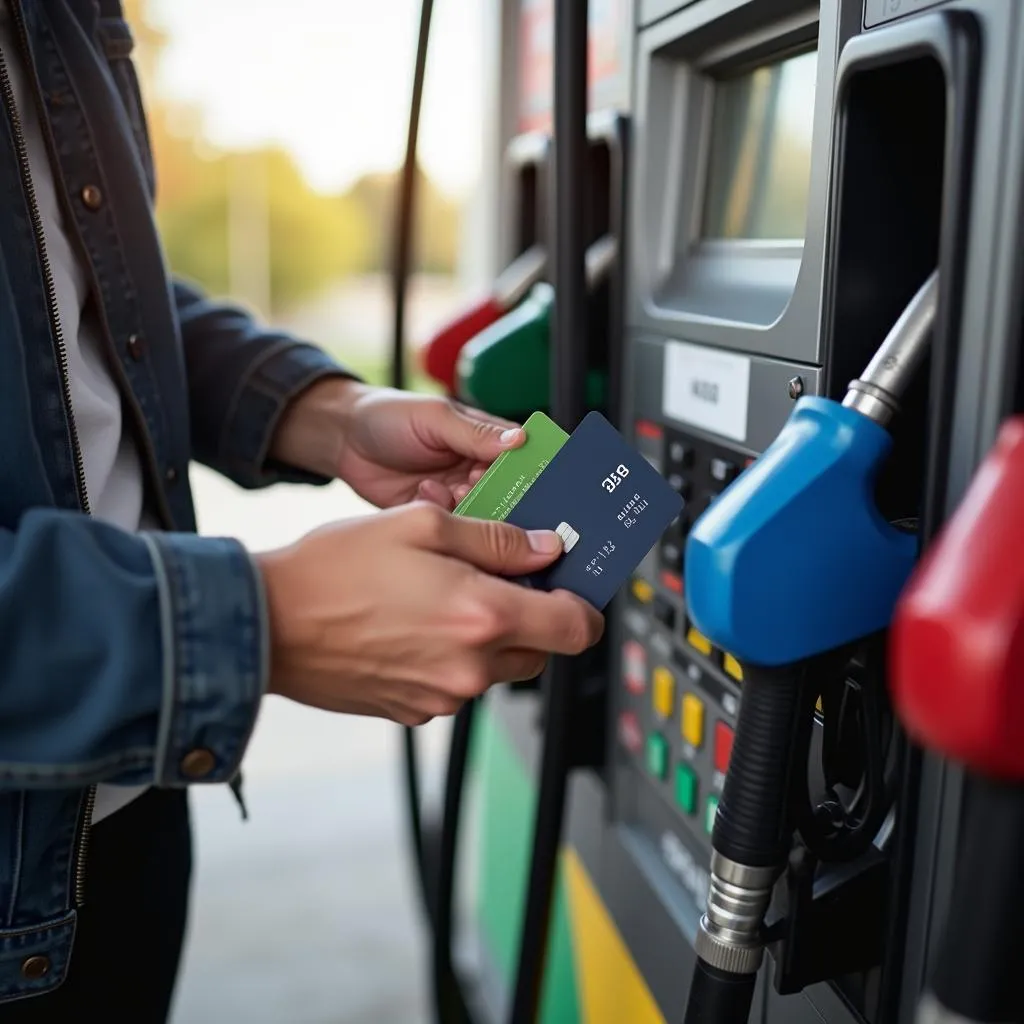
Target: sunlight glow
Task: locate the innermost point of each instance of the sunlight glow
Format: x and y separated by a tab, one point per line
330	80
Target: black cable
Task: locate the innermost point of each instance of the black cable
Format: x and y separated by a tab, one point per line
449	1003
568	403
412	800
405	216
402	257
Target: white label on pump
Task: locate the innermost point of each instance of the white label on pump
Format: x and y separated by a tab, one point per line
707	388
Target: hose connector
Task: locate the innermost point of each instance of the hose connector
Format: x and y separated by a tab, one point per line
730	928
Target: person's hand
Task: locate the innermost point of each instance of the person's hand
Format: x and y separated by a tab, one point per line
404	615
391	446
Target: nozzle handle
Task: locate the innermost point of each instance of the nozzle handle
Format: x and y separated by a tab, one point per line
516	280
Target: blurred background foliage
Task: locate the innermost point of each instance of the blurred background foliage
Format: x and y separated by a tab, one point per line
312	240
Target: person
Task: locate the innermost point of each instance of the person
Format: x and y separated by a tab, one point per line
135	654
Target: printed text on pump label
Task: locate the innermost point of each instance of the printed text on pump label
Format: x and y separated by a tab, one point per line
706	388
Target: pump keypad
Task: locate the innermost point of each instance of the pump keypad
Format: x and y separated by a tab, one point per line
679	691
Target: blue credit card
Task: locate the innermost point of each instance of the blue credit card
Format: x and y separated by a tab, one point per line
610	503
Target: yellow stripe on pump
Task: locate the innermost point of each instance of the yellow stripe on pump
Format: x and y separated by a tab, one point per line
610	986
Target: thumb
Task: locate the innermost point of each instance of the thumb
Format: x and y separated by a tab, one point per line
496	547
475	437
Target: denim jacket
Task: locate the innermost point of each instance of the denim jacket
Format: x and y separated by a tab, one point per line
123	658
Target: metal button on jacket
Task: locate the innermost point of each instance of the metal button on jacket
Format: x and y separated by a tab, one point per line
198	763
34	967
92	197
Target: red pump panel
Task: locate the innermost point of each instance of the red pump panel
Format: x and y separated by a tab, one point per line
957	641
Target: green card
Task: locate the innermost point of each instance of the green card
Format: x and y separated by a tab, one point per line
513	472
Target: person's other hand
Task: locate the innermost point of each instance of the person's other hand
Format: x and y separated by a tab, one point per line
391	446
405	614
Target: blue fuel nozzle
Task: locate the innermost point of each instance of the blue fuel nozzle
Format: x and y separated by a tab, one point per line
794	558
791	564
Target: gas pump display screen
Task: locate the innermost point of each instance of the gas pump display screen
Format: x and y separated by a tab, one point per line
760	155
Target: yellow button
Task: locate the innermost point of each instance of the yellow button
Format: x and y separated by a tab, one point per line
643	591
664	683
817	706
732	666
693	720
698	640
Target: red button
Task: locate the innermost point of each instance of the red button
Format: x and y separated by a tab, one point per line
630	734
646	429
723	746
634	667
671	581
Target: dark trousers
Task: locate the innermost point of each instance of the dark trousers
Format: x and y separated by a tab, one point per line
130	931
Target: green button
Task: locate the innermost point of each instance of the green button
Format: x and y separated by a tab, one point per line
657	756
710	810
686	788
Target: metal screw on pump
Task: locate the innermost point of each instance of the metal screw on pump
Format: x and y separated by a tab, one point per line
809	484
795	387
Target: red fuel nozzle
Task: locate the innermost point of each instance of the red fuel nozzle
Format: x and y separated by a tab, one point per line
957	677
440	356
957	649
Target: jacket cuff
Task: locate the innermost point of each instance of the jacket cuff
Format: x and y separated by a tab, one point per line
216	656
278	376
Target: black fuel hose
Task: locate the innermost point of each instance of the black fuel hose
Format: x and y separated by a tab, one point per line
751	838
719	998
976	977
449	1002
405	215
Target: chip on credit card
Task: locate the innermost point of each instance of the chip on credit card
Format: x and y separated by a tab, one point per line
513	472
608	503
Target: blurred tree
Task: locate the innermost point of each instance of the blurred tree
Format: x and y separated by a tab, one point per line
437	227
313	239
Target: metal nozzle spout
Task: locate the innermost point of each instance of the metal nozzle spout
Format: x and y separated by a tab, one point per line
877	392
601	257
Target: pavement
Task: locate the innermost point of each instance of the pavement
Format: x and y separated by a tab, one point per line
307	912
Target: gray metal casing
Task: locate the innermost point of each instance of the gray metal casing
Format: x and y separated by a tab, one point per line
676	40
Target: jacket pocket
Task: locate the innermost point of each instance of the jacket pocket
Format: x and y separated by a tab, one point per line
35	960
118	43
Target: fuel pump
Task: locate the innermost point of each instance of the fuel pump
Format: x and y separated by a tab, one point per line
957	658
505	369
789	567
440	355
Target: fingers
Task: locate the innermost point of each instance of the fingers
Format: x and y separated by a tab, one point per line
516	666
473	435
496	547
556	622
479	414
437	494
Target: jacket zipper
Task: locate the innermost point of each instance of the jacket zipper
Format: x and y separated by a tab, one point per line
147	451
53	309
